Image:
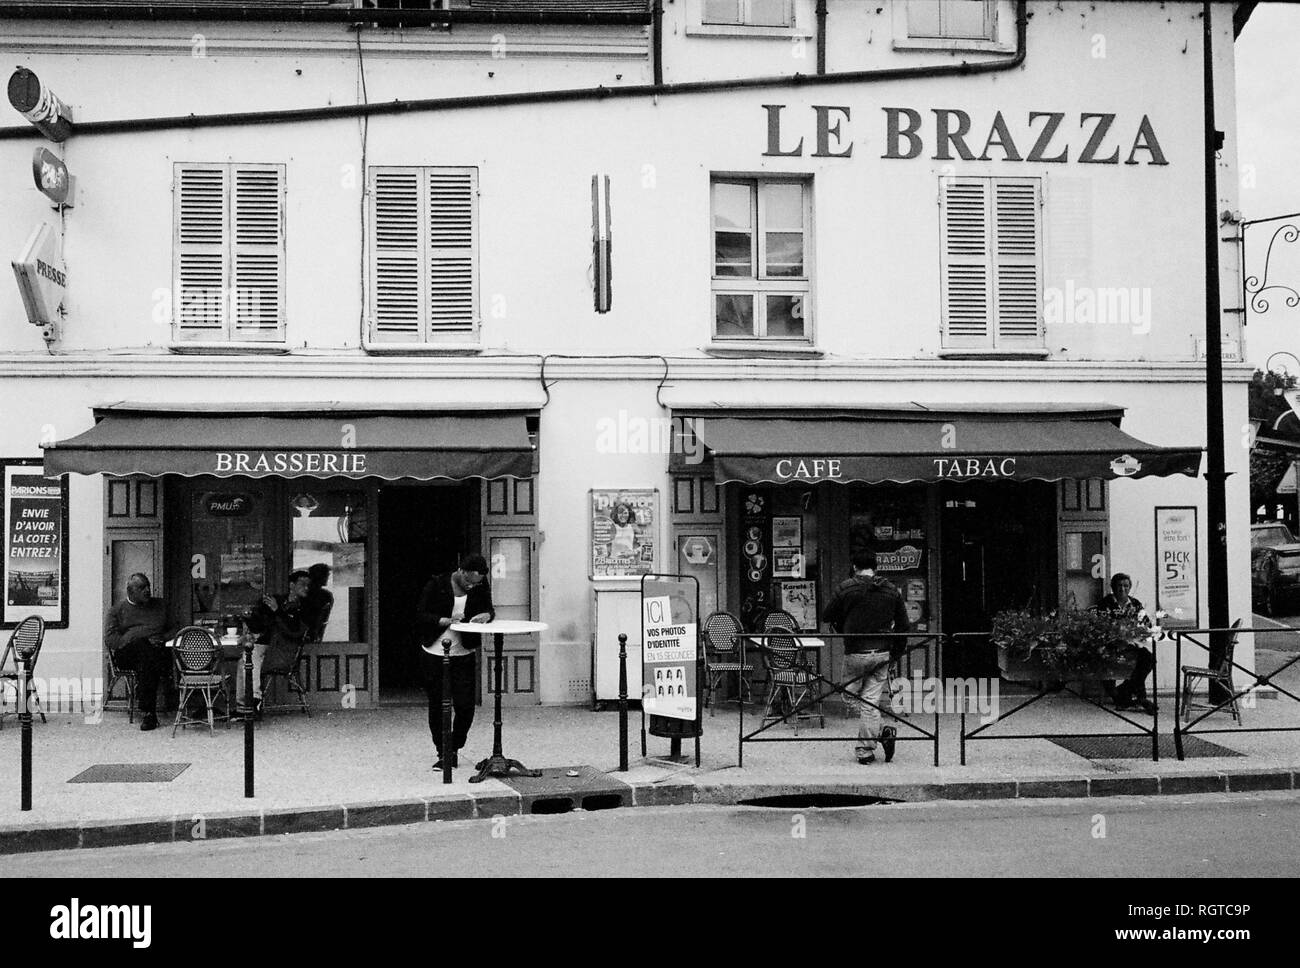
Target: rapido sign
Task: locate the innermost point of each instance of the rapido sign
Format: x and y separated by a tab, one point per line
42	277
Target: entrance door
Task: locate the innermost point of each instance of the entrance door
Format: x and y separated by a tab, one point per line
997	551
424	529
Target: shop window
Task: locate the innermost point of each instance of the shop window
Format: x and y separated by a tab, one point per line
761	275
330	527
891	521
748	13
228	252
422	239
952	19
991	264
227	553
779	554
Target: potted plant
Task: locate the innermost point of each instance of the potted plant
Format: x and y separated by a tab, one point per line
1067	644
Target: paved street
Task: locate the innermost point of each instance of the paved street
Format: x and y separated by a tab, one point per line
1121	837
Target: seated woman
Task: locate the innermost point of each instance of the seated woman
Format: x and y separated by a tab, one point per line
1132	693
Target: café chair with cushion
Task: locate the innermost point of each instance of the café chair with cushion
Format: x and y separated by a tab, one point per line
127	677
1221	675
790	677
273	671
197	657
721	637
25	641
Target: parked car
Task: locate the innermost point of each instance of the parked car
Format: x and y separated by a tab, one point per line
1274	565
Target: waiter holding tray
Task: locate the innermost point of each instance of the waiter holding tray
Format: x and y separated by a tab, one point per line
460	598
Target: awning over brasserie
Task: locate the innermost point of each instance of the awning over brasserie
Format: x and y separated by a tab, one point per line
921	444
323	443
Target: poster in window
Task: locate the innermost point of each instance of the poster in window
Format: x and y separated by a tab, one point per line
799	598
1177	569
787	562
787	532
35	563
623	524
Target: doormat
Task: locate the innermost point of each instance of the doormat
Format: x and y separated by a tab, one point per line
555	791
1138	747
131	773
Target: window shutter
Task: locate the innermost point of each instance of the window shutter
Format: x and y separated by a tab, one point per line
1017	285
452	266
202	269
257	252
966	284
395	269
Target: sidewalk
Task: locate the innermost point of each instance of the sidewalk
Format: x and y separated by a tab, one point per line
349	768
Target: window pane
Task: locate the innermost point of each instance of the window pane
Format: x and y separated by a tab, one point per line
721	12
329	529
228	571
964	18
785	317
769	13
733	206
735	314
511	577
923	18
783	206
784	254
733	254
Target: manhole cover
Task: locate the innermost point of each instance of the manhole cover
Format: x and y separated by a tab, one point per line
1138	747
131	773
804	801
557	792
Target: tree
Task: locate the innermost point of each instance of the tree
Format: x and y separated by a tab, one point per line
1267	404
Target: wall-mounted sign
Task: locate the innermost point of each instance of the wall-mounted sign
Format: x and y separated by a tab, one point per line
51	175
623	524
1177	566
227	505
39	105
42	277
34	517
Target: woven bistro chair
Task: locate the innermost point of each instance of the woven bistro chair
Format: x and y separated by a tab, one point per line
128	678
721	638
25	642
197	657
292	682
1221	675
788	673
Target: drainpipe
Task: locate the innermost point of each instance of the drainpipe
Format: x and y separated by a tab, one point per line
342	111
657	30
821	36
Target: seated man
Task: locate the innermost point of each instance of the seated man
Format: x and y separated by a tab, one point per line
280	624
1132	693
134	632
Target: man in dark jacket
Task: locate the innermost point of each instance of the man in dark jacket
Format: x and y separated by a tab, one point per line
134	630
462	596
866	604
280	624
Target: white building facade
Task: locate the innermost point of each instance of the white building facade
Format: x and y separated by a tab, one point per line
955	314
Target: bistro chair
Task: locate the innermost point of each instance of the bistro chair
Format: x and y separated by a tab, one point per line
26	642
1221	675
197	656
128	678
292	682
790	679
721	638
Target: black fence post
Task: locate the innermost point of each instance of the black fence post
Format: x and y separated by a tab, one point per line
447	751
25	730
248	709
622	702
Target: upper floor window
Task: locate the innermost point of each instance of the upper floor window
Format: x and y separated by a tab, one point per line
952	19
761	283
748	13
228	250
991	263
423	248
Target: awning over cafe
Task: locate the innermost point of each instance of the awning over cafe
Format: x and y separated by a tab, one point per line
323	443
923	444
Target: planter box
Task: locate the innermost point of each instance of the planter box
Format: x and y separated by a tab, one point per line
1033	669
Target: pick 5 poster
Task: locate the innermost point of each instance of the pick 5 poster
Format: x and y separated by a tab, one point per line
623	524
34	557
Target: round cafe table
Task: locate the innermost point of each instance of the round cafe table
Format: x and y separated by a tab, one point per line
497	764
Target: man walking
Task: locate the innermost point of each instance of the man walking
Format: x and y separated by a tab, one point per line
866	604
134	631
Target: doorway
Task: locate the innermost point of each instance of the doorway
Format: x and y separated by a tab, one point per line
997	551
424	529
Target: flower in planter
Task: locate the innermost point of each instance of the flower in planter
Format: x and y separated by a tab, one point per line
1069	640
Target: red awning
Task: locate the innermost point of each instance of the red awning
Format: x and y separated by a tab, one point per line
418	445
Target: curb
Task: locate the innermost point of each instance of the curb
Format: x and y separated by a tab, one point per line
673	792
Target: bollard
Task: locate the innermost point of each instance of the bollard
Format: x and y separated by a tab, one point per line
25	730
248	709
447	751
622	702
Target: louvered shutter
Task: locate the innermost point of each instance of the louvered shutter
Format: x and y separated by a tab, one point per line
452	251
257	252
201	253
1017	286
395	264
966	282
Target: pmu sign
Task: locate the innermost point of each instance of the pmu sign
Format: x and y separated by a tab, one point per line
39	105
51	175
